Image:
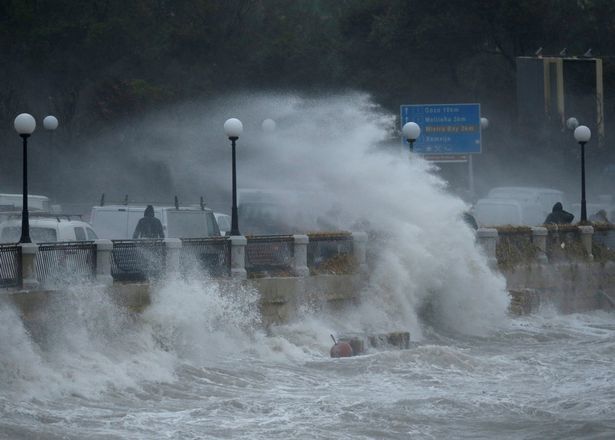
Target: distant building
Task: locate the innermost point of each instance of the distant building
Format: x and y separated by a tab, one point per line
552	89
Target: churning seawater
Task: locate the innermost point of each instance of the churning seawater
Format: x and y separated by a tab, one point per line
198	363
546	376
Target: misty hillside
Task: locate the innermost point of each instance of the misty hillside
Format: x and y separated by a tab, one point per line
106	67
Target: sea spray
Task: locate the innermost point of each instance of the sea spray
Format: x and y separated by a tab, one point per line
338	153
201	318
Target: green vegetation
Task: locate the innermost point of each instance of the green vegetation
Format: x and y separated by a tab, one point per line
515	247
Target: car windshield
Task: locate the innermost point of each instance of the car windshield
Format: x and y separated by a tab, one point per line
12	234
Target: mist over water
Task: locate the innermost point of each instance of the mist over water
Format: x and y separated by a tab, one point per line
197	363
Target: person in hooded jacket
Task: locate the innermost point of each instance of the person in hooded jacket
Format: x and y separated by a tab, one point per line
149	226
558	216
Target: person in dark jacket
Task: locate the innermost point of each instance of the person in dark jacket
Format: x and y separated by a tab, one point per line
558	216
149	226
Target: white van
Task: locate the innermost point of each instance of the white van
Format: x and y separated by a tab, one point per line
530	195
119	221
224	222
516	205
47	229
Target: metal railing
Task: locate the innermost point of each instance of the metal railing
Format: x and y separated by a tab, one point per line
137	260
269	254
564	243
603	242
330	252
211	254
58	261
10	265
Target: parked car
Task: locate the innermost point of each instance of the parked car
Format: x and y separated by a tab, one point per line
120	221
224	222
516	205
546	197
47	228
12	203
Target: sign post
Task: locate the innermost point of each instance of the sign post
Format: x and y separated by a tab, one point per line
449	132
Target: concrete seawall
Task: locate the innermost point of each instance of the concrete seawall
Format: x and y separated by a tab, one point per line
569	287
280	297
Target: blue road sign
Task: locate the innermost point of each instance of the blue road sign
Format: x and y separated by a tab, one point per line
445	128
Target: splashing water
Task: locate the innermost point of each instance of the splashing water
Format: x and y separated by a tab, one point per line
197	361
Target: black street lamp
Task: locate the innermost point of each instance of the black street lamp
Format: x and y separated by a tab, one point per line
583	134
25	124
411	132
233	129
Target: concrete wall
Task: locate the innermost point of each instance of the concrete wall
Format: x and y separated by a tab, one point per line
280	298
570	287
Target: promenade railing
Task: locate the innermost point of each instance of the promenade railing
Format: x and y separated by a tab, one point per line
330	252
57	262
269	255
210	254
137	260
10	265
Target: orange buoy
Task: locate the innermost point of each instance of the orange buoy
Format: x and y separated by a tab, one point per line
340	349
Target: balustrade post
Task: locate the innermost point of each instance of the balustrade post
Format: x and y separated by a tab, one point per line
238	257
359	246
103	261
29	252
300	255
587	233
487	238
173	249
539	239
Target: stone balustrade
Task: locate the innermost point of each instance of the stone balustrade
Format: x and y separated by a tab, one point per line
304	255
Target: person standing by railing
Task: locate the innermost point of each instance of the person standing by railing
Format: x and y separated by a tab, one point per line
558	216
149	226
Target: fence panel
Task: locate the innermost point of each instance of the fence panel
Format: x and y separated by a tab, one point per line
211	254
515	246
564	243
137	260
331	253
10	265
58	261
271	254
603	242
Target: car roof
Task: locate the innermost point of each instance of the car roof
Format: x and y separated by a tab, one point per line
527	189
142	208
497	201
20	196
46	221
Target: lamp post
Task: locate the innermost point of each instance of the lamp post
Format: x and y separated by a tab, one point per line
25	124
411	132
583	134
233	129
